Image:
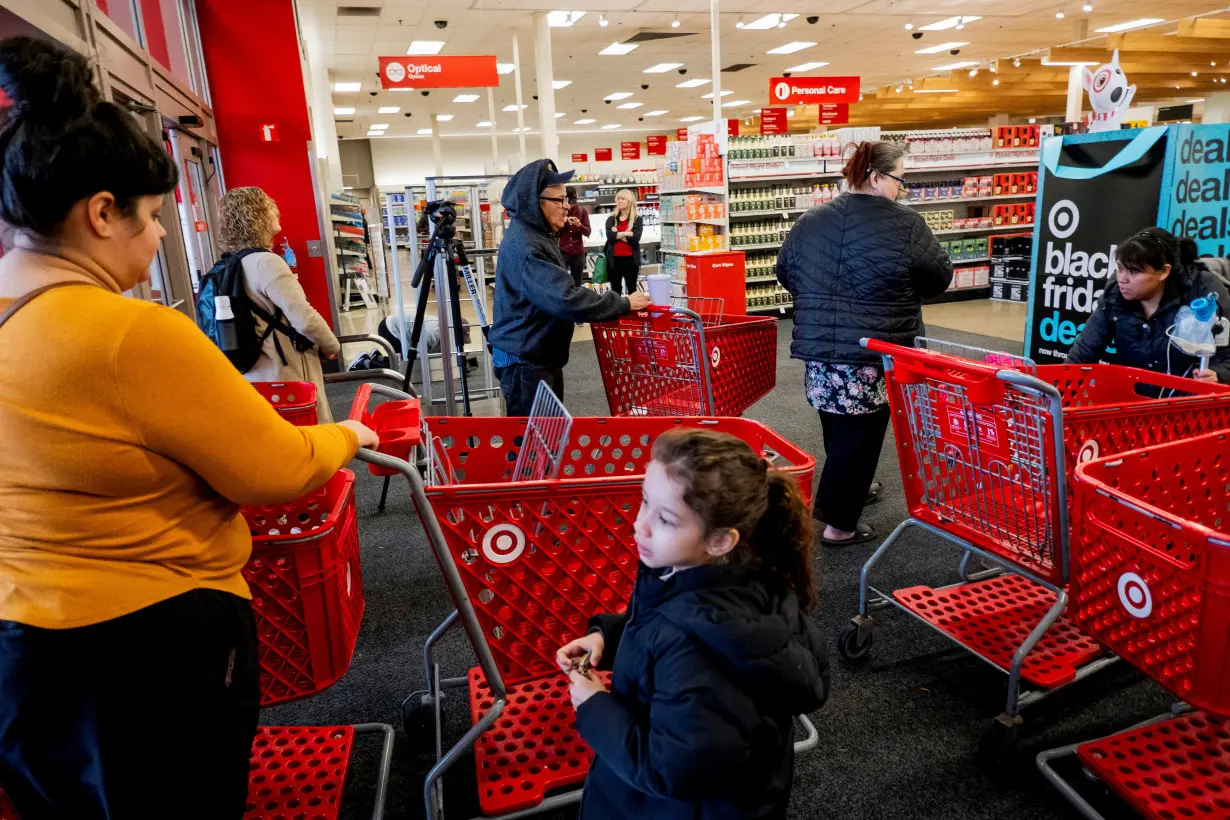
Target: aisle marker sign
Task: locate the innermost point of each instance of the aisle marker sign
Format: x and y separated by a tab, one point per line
655	145
629	150
580	157
773	121
439	72
602	155
813	90
834	113
681	134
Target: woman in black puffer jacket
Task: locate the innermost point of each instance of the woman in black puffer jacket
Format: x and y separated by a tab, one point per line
857	267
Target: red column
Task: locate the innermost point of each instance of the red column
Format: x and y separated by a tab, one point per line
252	60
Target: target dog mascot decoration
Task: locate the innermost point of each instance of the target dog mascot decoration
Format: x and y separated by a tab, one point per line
1109	95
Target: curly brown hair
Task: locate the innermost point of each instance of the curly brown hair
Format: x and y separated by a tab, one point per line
248	217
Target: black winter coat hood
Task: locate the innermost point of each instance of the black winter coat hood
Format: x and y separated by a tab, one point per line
537	303
710	666
859	267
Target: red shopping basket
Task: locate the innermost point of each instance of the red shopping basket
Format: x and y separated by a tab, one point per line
671	362
1151	565
294	401
307	589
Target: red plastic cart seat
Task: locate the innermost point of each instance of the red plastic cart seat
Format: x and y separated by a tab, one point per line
993	617
294	401
1174	769
307	589
534	746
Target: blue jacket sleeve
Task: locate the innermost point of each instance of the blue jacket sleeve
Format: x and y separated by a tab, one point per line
1090	346
551	288
611	628
690	741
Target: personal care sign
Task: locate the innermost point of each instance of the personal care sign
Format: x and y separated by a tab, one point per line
1200	196
1094	190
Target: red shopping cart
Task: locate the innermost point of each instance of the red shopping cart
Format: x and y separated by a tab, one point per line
1151	582
294	401
986	443
527	562
677	361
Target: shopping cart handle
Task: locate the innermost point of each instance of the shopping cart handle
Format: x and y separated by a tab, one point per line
911	365
389	463
396	422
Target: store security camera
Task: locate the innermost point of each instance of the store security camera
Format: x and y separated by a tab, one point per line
608	102
535	98
584	110
955	52
442	24
683	71
407	113
785	73
813	19
371	93
426	93
640	119
644	86
917	35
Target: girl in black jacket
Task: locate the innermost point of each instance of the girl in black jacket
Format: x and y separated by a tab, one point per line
715	655
623	243
1157	275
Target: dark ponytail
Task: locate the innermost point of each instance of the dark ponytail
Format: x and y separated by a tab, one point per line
1188	252
61	143
869	156
730	487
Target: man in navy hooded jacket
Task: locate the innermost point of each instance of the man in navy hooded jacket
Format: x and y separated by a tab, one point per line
537	303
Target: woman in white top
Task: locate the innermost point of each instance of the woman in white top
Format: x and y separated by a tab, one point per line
250	220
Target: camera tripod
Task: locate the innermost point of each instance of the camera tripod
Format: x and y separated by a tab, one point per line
443	217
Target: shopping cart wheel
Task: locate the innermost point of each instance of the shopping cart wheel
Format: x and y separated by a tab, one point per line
853	647
999	742
418	716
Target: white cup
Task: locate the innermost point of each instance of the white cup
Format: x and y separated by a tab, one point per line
659	288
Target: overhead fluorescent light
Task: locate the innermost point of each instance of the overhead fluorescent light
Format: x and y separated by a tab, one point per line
465	98
935	90
618	95
951	22
586	121
513	107
343	112
709	96
956	66
697	83
380	125
801	67
505	68
1196	100
483	124
521	130
662	68
656	113
768	21
941	47
690	119
558	84
444	117
375	133
791	48
424	131
628	106
563	19
422	48
618	49
560	114
610	127
1130	24
378	129
343	88
399	89
387	109
735	103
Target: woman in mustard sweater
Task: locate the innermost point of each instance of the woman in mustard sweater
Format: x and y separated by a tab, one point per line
128	656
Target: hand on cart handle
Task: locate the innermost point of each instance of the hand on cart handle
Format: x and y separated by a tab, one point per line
1207	376
584	652
367	436
638	300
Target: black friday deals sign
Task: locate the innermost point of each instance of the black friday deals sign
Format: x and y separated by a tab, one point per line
1094	190
1200	196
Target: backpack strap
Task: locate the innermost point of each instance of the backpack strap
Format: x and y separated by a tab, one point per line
22	301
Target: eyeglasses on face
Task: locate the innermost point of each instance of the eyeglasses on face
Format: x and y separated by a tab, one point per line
558	200
900	181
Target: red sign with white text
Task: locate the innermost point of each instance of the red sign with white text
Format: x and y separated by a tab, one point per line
681	134
629	150
438	72
602	155
269	132
655	145
773	121
834	113
811	90
580	157
732	128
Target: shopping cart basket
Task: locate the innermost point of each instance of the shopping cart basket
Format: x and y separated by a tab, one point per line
527	563
294	401
674	361
1151	581
986	442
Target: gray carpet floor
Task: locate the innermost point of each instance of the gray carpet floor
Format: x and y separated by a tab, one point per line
898	738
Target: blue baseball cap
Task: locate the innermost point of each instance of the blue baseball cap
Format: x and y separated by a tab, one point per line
552	177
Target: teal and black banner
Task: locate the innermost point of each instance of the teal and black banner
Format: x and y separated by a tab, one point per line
1199	202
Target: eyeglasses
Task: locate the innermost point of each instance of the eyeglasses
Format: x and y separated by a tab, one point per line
558	200
900	181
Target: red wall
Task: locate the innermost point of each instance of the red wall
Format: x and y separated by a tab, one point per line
252	59
155	32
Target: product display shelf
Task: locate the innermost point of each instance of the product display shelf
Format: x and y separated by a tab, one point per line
991	229
351	252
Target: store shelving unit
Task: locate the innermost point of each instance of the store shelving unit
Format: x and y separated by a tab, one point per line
350	244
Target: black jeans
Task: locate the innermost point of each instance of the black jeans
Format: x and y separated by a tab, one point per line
623	277
519	383
576	266
851	452
148	715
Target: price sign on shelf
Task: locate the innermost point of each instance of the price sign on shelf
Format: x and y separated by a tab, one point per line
772	121
580	157
681	134
655	145
812	90
834	113
732	127
602	155
629	150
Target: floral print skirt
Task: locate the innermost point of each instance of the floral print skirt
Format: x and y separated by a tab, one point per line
846	389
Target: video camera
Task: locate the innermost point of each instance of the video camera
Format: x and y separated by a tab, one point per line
442	209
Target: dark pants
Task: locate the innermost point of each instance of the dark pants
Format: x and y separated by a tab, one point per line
623	277
148	715
576	266
519	383
851	452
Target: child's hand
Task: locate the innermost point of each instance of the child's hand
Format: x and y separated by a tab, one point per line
1207	376
583	686
589	647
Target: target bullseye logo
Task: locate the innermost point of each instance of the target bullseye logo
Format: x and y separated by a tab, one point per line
715	357
782	91
1135	596
1088	452
503	543
1063	218
396	72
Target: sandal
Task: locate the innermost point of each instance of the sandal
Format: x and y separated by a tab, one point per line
873	492
862	534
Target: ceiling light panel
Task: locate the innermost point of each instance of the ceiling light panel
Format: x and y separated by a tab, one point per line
513	107
768	21
343	112
662	68
587	121
791	48
690	119
345	88
628	106
465	98
558	84
444	117
422	48
505	68
483	124
735	103
801	67
380	125
618	49
659	112
618	95
610	127
560	114
951	22
387	109
941	47
955	66
1131	24
424	131
697	83
709	96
